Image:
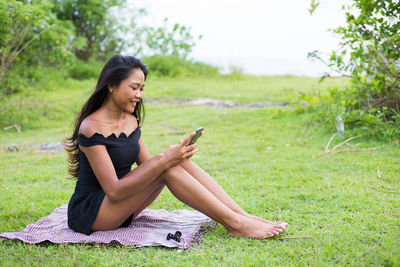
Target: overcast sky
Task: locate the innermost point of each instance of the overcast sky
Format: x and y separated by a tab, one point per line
258	36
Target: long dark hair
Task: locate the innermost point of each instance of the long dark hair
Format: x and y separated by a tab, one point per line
117	69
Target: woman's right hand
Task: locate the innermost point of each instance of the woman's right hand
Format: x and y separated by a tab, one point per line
176	154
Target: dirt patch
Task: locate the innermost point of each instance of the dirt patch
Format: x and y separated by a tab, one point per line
215	103
57	147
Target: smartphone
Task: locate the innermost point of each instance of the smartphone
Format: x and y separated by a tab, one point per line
197	135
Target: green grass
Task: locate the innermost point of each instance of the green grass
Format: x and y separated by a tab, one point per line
243	90
267	159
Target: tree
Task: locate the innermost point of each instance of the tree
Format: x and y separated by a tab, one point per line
36	32
370	53
96	28
102	28
176	41
28	34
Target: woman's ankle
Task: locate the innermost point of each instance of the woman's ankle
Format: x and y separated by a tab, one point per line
234	222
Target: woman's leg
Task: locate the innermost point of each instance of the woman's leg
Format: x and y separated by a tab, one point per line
149	200
113	214
208	182
189	191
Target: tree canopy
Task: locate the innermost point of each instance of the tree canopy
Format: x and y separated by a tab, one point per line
51	32
370	53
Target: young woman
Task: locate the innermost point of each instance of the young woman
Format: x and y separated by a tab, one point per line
107	141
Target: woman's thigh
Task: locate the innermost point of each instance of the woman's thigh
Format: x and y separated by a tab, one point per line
112	214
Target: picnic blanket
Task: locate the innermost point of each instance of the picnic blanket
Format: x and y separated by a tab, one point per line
179	228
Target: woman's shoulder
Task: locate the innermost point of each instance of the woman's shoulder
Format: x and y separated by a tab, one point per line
93	124
132	119
90	125
90	132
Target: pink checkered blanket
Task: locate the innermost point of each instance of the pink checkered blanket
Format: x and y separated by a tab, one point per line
179	228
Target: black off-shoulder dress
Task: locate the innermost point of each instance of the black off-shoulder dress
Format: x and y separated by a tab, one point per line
88	196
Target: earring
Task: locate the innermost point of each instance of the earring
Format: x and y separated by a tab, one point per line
110	91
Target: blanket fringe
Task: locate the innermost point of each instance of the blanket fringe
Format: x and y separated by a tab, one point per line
197	236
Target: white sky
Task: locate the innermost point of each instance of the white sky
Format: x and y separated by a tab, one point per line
260	37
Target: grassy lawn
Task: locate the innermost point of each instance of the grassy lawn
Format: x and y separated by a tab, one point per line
267	159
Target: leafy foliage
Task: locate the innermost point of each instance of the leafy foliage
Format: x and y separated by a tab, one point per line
29	34
107	27
370	53
51	32
80	70
173	66
177	42
97	30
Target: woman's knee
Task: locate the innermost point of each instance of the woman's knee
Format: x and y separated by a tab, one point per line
172	172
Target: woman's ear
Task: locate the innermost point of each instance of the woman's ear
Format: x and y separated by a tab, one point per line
110	88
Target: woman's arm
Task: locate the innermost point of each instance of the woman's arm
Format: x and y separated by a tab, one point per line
146	172
143	154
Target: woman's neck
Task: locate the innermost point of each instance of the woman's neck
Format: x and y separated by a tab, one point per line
112	112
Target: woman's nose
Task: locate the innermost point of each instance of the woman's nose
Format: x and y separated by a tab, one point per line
139	94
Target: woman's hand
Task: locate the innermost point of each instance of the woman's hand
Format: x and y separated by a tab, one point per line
176	154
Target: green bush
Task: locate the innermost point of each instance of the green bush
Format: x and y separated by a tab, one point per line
332	108
370	55
30	35
15	81
382	122
172	66
22	78
42	96
85	70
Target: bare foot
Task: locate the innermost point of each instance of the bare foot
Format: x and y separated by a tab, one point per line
252	228
245	214
266	221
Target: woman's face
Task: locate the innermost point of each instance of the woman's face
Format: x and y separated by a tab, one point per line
129	92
